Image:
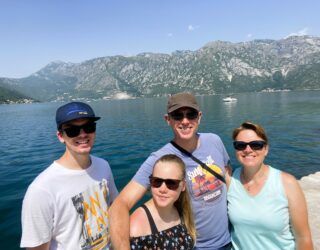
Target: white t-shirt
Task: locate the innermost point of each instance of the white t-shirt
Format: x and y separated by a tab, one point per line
69	207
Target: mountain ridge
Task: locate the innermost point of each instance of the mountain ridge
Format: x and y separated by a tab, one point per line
218	67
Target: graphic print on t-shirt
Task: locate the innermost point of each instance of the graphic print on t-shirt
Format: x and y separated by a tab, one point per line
204	185
92	208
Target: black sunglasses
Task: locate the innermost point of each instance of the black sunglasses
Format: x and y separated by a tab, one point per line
156	182
73	130
254	145
179	115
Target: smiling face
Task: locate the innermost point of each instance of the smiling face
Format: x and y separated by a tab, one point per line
163	196
80	144
185	128
248	157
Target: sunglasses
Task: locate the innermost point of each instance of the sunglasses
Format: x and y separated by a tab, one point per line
254	145
73	130
179	115
156	182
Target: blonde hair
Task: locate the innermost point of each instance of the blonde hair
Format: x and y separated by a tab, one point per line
183	204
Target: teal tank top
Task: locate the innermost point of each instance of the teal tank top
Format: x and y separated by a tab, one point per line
260	221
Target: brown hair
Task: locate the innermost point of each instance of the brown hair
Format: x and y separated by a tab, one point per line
183	204
259	130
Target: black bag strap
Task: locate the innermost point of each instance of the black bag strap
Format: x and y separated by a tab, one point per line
202	164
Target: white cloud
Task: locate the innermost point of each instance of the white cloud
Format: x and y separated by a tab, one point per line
192	27
302	32
169	35
249	35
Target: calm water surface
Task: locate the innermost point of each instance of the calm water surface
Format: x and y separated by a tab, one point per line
131	129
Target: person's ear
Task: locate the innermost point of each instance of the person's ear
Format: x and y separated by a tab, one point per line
266	151
183	186
199	117
167	119
60	136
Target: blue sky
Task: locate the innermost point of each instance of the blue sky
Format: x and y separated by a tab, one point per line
34	33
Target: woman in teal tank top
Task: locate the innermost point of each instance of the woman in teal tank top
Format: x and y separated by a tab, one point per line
266	207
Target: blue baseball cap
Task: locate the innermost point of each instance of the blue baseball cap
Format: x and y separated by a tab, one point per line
72	111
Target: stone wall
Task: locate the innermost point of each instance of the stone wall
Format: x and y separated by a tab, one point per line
311	187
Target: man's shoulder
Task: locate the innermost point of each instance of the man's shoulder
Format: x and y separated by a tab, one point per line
165	149
209	137
45	176
100	163
101	167
43	182
98	160
155	155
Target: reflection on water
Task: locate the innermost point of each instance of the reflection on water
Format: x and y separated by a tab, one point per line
229	109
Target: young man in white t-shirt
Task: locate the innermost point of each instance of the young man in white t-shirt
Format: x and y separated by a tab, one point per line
67	205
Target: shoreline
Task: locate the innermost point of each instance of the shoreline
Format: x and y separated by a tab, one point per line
310	185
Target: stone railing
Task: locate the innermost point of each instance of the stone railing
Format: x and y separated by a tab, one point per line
311	187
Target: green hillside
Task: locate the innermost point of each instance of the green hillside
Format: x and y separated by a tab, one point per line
12	96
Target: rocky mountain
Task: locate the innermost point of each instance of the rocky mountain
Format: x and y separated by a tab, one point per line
216	68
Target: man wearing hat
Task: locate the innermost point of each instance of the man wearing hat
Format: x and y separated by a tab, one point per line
207	192
67	205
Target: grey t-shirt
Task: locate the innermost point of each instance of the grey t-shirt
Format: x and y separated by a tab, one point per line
208	194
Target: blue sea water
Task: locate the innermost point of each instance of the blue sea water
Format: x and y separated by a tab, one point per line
131	129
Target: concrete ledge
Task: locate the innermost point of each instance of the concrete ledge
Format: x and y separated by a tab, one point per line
311	187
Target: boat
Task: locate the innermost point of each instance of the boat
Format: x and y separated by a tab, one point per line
229	99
